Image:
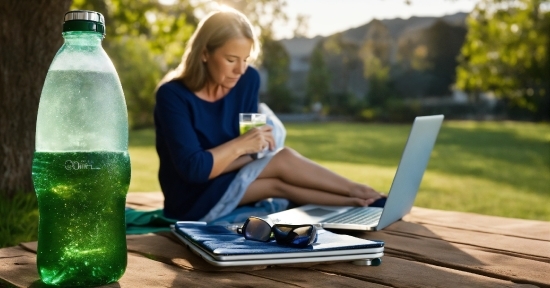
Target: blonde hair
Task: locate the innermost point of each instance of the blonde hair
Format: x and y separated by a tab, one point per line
213	31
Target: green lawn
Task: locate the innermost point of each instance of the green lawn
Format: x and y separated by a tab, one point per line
494	168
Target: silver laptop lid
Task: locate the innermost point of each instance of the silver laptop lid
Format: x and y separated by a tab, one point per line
411	169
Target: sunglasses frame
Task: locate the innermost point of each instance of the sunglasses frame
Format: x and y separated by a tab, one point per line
282	237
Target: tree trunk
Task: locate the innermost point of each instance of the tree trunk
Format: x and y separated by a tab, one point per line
30	35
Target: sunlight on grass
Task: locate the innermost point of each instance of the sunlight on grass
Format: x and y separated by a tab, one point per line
514	153
494	168
478	195
451	192
145	166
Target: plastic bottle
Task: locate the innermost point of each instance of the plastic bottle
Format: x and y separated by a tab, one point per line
81	166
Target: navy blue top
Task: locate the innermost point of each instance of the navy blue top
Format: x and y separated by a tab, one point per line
187	126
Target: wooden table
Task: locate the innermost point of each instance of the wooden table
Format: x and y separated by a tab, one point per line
429	248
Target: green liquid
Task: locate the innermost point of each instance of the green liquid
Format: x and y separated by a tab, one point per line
244	127
82	230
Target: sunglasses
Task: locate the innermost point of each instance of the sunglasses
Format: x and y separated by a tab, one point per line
259	229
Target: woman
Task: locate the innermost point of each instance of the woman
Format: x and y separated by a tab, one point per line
198	141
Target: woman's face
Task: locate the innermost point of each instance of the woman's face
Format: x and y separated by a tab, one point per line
226	64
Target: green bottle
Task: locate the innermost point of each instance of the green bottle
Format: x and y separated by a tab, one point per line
81	166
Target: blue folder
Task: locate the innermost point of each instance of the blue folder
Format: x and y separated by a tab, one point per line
223	247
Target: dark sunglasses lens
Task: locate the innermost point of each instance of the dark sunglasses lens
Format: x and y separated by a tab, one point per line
295	235
257	229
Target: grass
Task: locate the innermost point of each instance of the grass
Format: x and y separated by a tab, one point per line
19	219
492	168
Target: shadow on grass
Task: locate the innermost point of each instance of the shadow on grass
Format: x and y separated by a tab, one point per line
19	219
142	138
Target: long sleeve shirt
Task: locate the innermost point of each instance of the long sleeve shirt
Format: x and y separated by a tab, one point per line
186	126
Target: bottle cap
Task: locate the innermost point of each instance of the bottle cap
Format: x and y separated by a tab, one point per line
83	20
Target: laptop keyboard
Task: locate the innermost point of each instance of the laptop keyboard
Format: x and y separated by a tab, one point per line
356	216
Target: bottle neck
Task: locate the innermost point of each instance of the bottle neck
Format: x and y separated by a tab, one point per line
83	38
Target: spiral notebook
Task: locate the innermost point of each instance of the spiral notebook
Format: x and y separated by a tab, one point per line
221	246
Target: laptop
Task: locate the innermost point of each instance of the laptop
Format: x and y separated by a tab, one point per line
220	246
404	188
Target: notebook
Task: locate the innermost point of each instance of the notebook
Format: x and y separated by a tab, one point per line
221	246
404	188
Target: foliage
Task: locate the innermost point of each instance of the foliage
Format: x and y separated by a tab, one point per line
443	42
507	51
139	78
375	54
380	90
280	99
342	63
427	60
342	103
376	49
342	57
302	25
276	62
165	28
317	78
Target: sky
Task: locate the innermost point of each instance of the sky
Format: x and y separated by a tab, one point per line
327	17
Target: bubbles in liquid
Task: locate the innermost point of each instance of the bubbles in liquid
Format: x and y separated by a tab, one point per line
82	230
82	111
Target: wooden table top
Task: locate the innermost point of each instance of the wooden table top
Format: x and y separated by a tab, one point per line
428	248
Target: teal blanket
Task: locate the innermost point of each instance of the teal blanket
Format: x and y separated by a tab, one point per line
142	222
152	221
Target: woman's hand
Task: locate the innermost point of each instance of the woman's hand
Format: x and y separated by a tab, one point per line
227	157
365	193
257	139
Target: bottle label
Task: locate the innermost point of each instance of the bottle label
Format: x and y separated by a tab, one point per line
80	165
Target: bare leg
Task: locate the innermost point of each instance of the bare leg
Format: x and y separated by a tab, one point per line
292	168
272	187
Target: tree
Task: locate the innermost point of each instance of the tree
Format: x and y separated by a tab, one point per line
276	62
443	43
507	51
342	58
29	39
318	77
375	53
302	26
